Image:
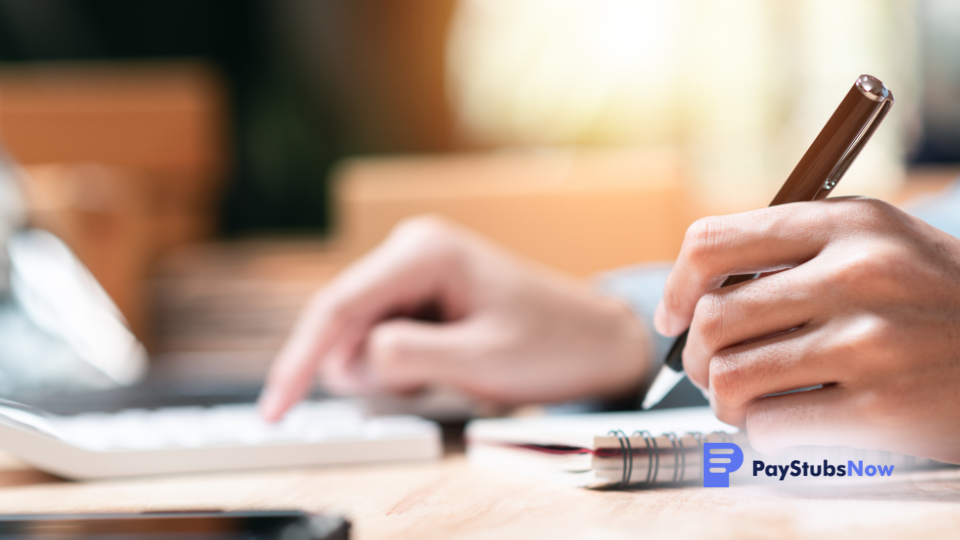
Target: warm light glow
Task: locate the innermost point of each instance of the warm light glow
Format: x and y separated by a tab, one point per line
743	85
565	71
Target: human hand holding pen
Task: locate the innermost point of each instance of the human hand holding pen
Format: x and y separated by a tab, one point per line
819	171
857	296
510	331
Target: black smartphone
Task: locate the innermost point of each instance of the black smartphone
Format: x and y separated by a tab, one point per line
266	525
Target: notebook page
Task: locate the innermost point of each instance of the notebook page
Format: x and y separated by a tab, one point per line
579	430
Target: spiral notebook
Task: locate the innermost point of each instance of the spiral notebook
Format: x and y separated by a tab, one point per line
634	448
587	450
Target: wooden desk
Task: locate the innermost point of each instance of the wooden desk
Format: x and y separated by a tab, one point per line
450	499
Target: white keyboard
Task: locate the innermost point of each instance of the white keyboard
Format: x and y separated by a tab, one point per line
199	439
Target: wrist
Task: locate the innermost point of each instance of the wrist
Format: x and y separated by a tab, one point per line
633	362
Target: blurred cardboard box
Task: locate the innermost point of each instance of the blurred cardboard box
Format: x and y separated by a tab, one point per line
581	211
164	119
124	162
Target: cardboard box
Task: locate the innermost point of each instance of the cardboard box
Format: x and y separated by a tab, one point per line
580	211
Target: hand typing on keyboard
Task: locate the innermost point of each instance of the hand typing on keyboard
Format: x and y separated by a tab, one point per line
436	305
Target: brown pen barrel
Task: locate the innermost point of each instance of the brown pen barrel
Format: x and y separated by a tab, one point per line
865	99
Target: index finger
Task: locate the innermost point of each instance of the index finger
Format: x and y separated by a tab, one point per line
714	248
400	274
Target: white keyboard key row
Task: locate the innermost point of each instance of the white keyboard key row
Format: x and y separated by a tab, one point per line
227	425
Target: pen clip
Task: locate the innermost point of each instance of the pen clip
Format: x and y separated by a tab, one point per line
854	150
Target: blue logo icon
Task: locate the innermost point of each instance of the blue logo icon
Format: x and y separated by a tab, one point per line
719	460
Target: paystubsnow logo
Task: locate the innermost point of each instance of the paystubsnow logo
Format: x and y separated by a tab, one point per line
721	459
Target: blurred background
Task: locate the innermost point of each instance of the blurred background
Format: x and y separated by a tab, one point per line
212	162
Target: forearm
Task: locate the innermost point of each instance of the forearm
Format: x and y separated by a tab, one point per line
640	288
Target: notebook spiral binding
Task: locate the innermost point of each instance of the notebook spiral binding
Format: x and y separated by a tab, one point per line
627	452
699	438
653	455
677	456
654	464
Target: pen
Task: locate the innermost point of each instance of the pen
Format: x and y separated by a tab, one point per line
814	177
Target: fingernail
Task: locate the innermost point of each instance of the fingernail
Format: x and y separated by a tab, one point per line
660	319
270	404
666	322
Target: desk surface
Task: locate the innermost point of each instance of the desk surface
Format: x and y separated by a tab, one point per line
450	499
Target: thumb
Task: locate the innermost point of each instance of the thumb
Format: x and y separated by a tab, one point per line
405	355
